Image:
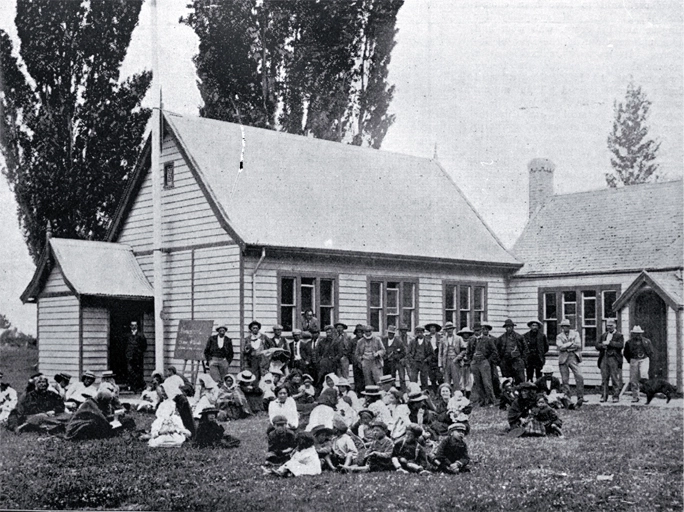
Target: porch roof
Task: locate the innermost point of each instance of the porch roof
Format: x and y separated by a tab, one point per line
668	285
100	269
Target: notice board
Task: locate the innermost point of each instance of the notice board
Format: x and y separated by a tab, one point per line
192	338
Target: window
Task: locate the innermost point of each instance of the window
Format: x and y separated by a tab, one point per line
300	292
168	175
587	308
465	304
392	302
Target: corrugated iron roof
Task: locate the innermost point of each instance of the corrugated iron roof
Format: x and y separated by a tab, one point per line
298	192
100	269
630	228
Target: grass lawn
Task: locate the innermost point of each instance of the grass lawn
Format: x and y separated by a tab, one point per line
637	450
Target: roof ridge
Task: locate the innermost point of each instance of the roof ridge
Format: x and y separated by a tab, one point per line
625	188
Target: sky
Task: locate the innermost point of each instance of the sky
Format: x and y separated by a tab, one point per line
486	85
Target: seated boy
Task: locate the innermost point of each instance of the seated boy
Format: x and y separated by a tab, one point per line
451	455
409	455
379	452
344	451
281	441
211	434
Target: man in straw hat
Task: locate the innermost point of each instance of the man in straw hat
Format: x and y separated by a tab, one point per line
569	358
452	349
638	351
218	353
610	346
537	346
512	353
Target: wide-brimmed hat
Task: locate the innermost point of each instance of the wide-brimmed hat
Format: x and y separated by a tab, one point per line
465	330
297	331
535	321
416	397
487	326
415	428
367	411
457	426
637	330
344	326
246	376
306	377
276	371
392	328
372	390
420	328
449	325
277	326
528	386
108	374
509	323
547	368
477	327
433	324
221	326
387	379
63	375
254	322
321	429
342	382
329	326
209	410
306	335
565	323
506	380
89	374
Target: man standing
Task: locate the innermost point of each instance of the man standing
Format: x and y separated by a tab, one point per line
327	355
610	347
359	384
538	346
136	345
218	353
449	356
370	352
295	350
254	345
344	341
395	356
494	361
434	339
310	322
482	355
569	358
419	356
512	353
638	351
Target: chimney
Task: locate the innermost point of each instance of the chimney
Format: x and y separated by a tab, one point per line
48	232
541	182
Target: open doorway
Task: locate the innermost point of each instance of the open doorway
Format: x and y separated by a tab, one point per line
650	312
121	314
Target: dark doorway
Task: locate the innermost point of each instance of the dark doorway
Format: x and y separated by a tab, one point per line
122	313
650	312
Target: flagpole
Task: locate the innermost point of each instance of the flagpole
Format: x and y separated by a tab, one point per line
156	195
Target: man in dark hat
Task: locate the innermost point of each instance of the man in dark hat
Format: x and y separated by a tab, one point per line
395	356
420	354
254	345
482	354
494	362
434	339
569	358
218	353
136	345
610	347
512	353
537	346
359	383
451	352
327	354
344	341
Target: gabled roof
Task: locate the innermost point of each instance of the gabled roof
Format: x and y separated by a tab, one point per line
302	193
668	285
625	229
90	268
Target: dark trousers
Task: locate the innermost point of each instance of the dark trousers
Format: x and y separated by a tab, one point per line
611	370
423	369
436	376
136	373
482	381
534	373
359	381
393	367
514	368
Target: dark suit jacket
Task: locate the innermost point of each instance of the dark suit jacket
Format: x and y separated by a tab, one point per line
613	350
212	349
397	352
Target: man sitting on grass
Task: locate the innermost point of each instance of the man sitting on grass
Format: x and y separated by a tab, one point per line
281	441
451	455
379	453
409	455
35	408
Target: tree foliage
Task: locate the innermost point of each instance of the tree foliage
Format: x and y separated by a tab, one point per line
300	66
633	152
4	322
71	130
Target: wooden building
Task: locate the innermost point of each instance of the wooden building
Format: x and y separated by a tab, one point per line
609	253
358	235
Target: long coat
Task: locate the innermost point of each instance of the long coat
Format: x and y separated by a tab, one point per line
613	350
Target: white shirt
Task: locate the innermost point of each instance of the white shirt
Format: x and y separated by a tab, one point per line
221	340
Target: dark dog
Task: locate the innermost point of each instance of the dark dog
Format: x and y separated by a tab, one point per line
650	387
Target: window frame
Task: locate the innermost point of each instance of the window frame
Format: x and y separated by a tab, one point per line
317	276
400	303
169	183
580	326
446	284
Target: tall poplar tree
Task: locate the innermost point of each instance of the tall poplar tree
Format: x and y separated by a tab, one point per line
70	129
633	152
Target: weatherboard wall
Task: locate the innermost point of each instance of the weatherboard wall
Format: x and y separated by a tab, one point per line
95	339
58	327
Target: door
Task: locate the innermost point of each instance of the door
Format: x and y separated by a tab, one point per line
650	312
122	313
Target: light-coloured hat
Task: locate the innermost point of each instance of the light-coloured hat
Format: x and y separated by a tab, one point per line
465	330
279	419
433	324
637	330
565	323
221	326
416	397
108	374
277	326
611	321
297	331
342	324
457	426
535	321
342	382
387	379
449	325
371	390
88	373
392	328
246	376
547	368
